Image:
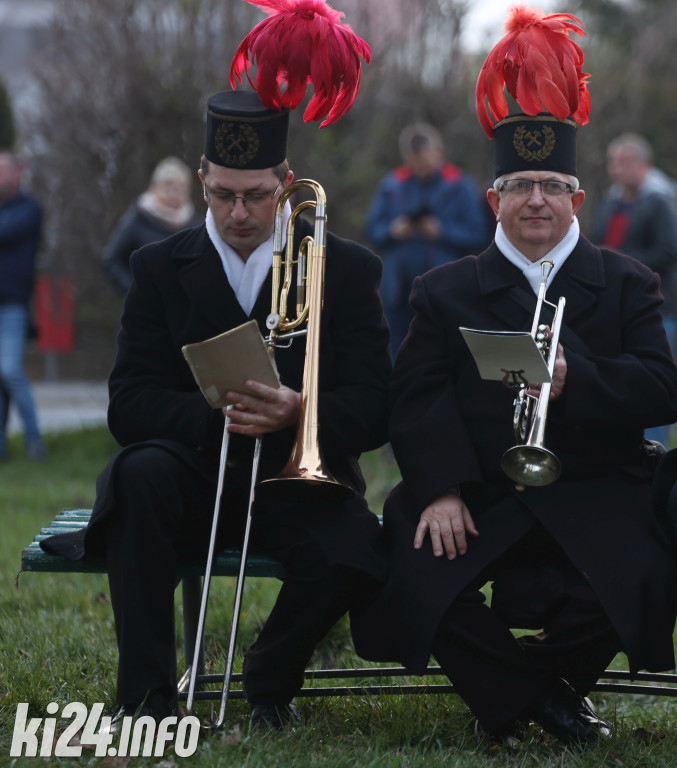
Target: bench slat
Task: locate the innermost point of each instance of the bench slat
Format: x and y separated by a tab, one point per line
227	563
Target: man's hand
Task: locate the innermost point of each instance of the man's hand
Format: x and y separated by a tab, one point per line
430	227
263	410
401	228
559	376
447	520
559	373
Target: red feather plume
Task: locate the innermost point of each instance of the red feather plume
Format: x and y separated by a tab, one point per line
302	42
539	64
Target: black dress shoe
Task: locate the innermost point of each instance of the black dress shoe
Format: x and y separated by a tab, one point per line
274	717
569	717
155	706
510	735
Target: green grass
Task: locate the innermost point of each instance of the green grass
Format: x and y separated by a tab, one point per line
57	644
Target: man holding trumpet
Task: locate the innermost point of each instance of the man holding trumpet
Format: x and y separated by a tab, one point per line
581	562
155	498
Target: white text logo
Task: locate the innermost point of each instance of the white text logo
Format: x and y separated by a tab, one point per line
137	736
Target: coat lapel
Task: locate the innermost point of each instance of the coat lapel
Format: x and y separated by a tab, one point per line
579	281
211	296
512	300
497	280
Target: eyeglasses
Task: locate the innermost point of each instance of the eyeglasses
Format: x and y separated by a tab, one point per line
251	201
549	187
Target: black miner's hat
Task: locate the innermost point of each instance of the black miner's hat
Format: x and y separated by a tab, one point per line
540	65
538	143
242	133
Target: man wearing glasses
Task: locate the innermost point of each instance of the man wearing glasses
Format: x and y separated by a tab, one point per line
155	498
582	563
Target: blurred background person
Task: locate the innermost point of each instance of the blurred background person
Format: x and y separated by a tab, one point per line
20	231
638	216
423	214
164	208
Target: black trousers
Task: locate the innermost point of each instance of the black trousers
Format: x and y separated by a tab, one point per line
500	677
161	500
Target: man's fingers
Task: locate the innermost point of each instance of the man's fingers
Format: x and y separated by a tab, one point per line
469	523
451	541
262	391
421	530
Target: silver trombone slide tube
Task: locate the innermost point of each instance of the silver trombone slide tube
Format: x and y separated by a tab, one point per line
208	568
230	657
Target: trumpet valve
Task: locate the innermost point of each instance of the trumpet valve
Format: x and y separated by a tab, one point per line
541	339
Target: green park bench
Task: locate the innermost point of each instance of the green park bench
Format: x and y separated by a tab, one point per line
227	563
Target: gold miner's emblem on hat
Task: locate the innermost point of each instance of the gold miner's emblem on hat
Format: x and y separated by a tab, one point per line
534	145
237	144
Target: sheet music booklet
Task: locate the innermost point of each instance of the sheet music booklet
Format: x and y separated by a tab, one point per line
224	362
499	354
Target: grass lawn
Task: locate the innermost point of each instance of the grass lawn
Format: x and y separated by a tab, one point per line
57	644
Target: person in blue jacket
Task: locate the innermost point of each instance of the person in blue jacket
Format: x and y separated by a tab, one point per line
424	213
20	228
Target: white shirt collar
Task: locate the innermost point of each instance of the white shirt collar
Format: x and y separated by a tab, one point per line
532	269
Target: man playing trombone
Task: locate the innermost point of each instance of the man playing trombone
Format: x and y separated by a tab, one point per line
155	498
581	561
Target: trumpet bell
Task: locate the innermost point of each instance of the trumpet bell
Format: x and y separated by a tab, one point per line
531	465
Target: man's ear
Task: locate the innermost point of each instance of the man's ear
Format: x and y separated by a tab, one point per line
577	200
494	199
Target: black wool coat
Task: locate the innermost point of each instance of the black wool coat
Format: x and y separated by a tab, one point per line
448	427
180	295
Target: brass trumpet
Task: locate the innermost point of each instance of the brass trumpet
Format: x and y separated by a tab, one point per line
530	462
304	478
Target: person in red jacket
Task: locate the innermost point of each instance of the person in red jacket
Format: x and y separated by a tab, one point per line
424	213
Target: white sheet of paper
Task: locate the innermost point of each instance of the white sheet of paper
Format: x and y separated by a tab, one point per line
497	353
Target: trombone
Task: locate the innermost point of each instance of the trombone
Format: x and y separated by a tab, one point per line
530	462
304	478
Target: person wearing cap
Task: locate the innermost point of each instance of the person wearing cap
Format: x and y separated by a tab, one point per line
424	213
155	498
582	564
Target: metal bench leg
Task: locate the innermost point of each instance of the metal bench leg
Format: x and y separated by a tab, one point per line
191	587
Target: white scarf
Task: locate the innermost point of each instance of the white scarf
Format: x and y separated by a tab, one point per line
172	218
532	269
245	277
